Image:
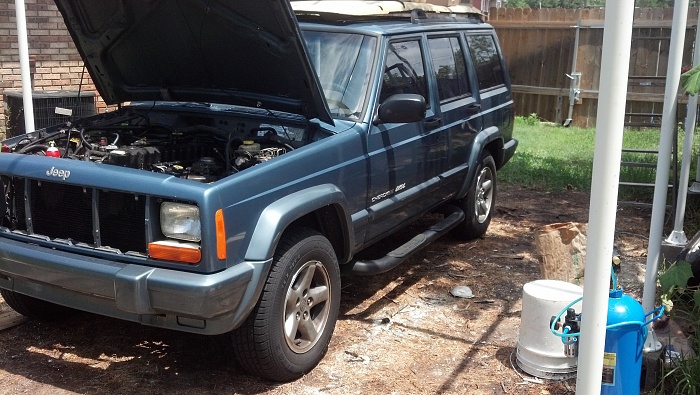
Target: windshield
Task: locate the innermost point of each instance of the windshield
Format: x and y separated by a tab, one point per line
343	62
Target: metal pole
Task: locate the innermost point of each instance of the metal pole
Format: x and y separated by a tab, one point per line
24	66
678	237
604	187
668	123
575	78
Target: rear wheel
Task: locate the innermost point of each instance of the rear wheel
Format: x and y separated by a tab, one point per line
480	201
33	307
288	332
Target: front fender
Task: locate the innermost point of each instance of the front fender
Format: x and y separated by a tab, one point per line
276	217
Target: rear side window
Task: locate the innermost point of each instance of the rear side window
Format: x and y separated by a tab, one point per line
404	71
487	63
449	67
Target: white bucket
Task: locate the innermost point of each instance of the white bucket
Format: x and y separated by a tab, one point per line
539	352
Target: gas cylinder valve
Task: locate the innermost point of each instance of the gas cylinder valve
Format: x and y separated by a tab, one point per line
570	325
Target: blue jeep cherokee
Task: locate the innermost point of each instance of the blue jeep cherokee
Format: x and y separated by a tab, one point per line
264	145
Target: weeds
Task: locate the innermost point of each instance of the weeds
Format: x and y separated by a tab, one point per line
681	374
530	120
680	377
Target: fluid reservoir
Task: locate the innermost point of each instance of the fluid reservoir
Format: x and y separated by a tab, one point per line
52	151
250	146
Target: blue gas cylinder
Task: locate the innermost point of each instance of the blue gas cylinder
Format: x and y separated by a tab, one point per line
624	344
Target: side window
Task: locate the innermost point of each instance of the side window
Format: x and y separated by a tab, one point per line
404	71
487	63
450	71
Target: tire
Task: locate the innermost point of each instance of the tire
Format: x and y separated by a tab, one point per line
691	254
33	307
480	201
288	332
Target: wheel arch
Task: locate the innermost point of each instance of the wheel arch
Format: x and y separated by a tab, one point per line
491	140
322	208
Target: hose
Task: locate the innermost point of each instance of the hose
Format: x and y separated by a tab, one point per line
566	334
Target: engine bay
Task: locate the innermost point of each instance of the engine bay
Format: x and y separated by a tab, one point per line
192	146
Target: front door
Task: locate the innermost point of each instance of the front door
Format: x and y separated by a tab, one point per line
406	159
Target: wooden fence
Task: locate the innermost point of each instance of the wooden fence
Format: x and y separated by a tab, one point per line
546	49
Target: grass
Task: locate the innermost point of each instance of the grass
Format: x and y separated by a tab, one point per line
543	148
680	378
555	158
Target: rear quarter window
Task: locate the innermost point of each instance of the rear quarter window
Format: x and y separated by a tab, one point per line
487	63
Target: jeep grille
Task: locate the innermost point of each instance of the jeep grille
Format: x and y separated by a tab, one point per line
98	218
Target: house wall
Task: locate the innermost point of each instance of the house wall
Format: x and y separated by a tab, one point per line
55	64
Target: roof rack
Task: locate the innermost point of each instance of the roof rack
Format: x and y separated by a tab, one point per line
356	10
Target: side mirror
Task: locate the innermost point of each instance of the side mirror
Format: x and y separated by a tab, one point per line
401	108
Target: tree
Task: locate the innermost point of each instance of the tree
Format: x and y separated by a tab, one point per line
654	3
517	4
586	3
554	3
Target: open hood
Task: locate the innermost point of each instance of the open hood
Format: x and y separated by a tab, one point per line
242	52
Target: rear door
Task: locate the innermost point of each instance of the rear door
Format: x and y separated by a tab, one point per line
494	94
458	105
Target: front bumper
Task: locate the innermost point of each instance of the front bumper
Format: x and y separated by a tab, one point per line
201	303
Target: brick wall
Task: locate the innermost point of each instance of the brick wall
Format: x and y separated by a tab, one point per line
54	61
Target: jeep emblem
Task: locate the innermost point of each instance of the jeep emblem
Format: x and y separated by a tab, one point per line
54	172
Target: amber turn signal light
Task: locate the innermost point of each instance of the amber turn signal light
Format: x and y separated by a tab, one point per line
220	234
174	251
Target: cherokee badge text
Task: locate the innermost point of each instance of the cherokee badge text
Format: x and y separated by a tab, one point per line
388	193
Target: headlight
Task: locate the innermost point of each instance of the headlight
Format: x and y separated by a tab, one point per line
180	221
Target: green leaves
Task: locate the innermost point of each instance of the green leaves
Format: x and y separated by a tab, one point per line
690	80
675	277
674	282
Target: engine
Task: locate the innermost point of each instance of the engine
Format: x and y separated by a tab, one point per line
199	152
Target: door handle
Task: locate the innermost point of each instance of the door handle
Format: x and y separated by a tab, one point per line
432	123
473	108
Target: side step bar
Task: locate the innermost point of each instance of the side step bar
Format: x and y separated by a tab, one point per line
453	217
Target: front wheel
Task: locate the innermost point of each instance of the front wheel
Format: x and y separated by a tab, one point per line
288	332
33	307
480	201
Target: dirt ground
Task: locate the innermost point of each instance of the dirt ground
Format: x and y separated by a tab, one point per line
398	333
